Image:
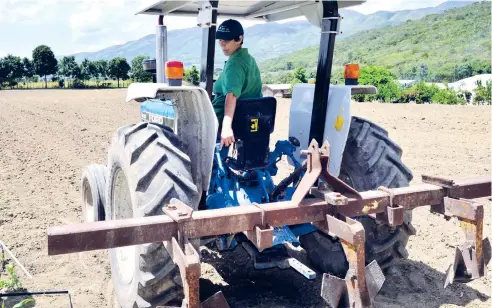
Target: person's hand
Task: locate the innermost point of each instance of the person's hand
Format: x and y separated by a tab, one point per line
227	136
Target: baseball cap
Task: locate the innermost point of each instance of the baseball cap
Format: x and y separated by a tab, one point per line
229	30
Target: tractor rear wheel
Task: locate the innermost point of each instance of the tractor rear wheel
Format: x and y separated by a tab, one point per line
370	160
148	168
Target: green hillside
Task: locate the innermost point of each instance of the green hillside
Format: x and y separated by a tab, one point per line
445	47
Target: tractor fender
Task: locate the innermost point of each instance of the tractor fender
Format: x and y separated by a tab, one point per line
197	124
337	124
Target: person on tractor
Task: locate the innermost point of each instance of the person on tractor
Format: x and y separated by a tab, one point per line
240	78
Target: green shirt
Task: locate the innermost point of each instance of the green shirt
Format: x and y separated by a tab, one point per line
240	76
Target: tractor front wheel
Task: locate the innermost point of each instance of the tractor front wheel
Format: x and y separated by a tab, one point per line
93	188
148	168
370	160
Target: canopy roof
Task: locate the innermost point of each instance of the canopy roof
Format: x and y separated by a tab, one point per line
254	10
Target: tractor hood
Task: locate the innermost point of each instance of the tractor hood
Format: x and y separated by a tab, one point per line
268	11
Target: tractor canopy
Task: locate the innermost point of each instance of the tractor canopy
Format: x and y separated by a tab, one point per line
268	11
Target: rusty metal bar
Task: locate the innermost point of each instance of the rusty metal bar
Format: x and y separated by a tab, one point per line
312	173
188	262
223	221
109	234
472	188
125	232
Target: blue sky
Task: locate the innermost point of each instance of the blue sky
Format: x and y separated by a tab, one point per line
70	26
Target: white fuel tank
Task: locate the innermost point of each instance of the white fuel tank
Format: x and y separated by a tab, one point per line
337	124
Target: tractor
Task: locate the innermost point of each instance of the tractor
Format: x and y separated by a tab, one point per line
168	188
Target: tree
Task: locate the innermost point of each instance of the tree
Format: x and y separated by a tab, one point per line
86	70
28	68
300	74
192	76
102	68
118	68
69	68
4	71
44	61
424	72
14	68
137	72
483	95
383	80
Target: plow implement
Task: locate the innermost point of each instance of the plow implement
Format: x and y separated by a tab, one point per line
320	199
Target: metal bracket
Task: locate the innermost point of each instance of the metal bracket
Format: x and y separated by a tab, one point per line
339	18
359	289
318	165
313	172
282	262
393	215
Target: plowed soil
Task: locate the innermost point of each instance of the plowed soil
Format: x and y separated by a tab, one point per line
48	136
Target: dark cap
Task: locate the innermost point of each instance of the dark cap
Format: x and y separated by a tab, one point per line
229	30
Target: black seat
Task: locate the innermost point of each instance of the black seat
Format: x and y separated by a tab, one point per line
254	121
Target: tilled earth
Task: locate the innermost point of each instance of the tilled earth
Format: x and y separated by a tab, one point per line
48	136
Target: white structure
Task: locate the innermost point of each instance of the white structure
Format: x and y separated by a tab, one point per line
406	83
470	83
278	90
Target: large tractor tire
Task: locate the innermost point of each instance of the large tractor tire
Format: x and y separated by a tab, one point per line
93	188
370	160
148	168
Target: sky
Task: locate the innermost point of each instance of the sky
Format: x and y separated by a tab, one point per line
71	26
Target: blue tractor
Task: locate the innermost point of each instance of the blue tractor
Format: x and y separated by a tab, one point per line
172	155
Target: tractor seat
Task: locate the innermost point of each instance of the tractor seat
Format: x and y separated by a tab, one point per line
254	121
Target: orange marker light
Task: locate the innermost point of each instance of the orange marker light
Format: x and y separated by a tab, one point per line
352	71
174	70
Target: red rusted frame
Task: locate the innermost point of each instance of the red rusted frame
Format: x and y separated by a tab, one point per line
134	231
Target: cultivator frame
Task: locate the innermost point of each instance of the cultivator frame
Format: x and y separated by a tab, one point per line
328	209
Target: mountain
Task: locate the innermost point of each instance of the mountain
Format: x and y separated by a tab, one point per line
449	46
264	41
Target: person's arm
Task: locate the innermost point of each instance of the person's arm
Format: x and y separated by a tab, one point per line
233	84
227	135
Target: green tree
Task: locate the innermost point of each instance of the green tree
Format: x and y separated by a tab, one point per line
300	74
424	93
28	68
68	68
483	94
102	68
88	70
424	72
383	80
118	68
447	97
4	71
137	72
14	69
192	76
45	62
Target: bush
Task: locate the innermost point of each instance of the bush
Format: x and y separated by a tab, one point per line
483	95
447	97
424	92
383	80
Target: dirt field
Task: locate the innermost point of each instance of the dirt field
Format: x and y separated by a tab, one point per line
47	137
